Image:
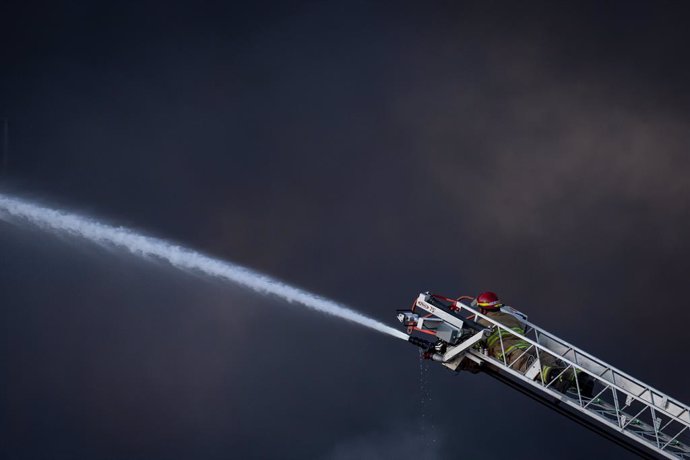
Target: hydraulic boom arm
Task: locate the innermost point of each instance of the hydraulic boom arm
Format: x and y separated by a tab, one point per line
599	396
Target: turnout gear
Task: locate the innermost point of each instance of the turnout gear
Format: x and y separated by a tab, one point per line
505	346
519	355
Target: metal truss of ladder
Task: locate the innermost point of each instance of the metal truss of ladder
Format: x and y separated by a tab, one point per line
622	408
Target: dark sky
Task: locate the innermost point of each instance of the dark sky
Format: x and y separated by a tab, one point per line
366	151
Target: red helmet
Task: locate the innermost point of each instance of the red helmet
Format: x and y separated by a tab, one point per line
488	300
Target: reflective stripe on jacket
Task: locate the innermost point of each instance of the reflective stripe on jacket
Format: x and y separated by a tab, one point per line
501	336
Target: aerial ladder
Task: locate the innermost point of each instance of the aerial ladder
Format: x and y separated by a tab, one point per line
602	398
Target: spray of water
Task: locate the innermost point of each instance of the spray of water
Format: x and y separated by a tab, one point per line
21	211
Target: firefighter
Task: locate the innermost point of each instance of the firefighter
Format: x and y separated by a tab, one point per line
519	354
500	344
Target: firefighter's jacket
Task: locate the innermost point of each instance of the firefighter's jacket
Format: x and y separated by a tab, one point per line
509	342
